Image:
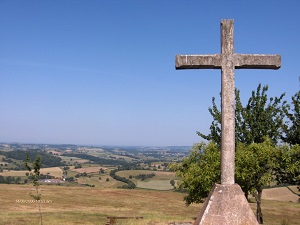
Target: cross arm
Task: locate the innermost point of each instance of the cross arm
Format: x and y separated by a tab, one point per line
256	61
198	61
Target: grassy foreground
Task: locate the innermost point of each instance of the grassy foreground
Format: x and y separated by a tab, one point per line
86	205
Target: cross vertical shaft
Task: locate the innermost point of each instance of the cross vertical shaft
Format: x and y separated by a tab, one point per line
227	99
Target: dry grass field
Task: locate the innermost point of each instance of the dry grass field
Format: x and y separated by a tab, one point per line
86	205
94	180
280	194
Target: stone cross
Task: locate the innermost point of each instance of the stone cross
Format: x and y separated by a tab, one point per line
227	61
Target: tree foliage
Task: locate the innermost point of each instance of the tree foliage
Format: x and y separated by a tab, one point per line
143	177
291	128
199	171
255	164
48	159
97	160
259	118
129	183
287	170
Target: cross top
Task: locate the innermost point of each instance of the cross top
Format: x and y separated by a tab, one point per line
227	61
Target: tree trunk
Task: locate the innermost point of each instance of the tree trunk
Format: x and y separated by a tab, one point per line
247	195
41	215
259	215
38	198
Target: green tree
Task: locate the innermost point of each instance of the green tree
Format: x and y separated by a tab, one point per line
255	164
287	170
291	128
259	118
9	179
172	182
18	180
199	172
101	171
70	179
36	166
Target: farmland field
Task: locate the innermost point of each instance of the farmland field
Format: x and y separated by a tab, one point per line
161	180
103	183
159	175
71	160
53	171
155	185
94	169
86	205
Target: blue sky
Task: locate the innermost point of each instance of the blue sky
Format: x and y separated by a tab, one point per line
103	72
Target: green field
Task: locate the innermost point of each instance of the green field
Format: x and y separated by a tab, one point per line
162	185
86	205
161	180
71	160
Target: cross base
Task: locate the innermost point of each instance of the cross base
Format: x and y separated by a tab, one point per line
226	205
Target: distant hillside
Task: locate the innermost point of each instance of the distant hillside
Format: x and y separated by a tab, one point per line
47	159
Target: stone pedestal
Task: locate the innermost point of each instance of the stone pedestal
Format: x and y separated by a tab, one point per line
226	205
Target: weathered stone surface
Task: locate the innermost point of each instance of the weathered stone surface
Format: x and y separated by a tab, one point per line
198	61
255	61
226	205
240	61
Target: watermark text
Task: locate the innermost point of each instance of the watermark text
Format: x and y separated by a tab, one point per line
25	201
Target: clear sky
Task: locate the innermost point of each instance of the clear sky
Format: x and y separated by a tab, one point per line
103	72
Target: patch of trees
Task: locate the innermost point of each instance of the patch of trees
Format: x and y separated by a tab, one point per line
133	150
63	147
10	180
172	182
42	177
13	165
70	179
144	176
130	184
291	128
84	174
87	185
48	160
131	166
7	160
127	155
95	159
77	166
